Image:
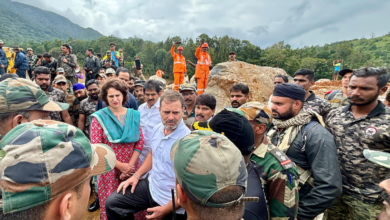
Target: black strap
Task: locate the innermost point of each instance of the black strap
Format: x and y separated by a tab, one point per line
332	94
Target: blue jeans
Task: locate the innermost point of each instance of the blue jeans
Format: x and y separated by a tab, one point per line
21	73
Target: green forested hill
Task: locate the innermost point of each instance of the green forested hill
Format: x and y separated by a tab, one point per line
21	23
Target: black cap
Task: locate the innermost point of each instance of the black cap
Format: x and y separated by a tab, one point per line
234	126
345	71
290	90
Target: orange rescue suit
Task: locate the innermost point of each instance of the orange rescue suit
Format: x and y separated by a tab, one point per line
202	69
159	73
179	68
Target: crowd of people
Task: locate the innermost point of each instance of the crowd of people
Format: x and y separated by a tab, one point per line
148	152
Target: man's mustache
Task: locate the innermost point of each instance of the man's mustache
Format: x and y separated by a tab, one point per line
188	100
356	98
199	115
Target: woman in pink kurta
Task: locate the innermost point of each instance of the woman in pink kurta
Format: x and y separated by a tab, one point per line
119	128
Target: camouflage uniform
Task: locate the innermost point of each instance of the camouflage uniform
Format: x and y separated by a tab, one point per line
317	104
103	64
361	193
280	181
189	119
87	108
69	98
49	159
52	66
57	96
75	111
338	99
69	67
31	60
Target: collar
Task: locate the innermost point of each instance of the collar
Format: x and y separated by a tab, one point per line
210	118
311	97
261	150
379	109
176	134
156	105
90	99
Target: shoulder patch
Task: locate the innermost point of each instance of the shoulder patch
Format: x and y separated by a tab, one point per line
282	158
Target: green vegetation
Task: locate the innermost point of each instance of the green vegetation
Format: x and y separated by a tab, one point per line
21	23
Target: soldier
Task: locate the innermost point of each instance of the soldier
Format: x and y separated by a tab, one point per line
363	124
42	78
101	78
68	62
3	59
31	58
60	71
305	78
204	188
382	159
338	98
108	62
232	56
301	136
46	174
269	169
188	91
36	62
50	63
110	73
139	92
239	95
30	104
205	107
88	106
91	65
80	93
61	84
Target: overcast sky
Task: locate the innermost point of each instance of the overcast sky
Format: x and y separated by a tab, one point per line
299	23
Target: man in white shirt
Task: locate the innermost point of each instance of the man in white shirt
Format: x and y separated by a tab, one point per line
150	115
154	193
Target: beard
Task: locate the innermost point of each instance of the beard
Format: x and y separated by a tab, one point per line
95	96
131	90
81	98
284	116
44	86
364	101
235	104
170	127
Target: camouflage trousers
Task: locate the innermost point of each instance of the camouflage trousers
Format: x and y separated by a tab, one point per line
350	208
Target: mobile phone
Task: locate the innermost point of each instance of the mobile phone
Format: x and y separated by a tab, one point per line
137	64
179	42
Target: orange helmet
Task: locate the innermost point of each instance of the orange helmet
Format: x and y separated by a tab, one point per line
205	45
180	48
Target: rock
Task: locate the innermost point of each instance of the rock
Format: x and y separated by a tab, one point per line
224	75
322	80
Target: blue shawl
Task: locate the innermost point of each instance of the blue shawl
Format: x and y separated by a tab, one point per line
113	129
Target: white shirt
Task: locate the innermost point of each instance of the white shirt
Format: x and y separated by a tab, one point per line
162	178
149	118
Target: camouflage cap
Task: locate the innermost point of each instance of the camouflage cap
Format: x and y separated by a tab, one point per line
60	78
110	71
60	70
139	83
42	159
16	48
378	157
257	111
28	49
206	162
18	94
108	52
102	75
187	87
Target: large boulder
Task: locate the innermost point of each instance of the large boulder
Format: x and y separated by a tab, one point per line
224	75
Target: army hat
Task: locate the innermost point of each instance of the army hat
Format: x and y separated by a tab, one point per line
43	159
60	70
110	71
60	78
206	162
345	71
187	87
28	49
378	157
102	75
108	52
16	48
139	83
232	52
18	94
233	124
256	111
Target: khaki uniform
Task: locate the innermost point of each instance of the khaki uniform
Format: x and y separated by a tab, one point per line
361	193
338	99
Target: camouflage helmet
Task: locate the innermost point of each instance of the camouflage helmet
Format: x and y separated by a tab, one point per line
42	159
18	94
110	71
378	157
206	162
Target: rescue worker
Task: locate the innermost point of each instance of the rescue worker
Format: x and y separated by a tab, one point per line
179	66
338	98
232	56
21	63
202	67
3	60
363	124
301	136
61	83
159	73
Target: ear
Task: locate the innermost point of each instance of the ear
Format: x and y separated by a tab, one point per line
312	83
297	105
261	128
383	90
17	120
214	112
182	197
65	206
247	98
